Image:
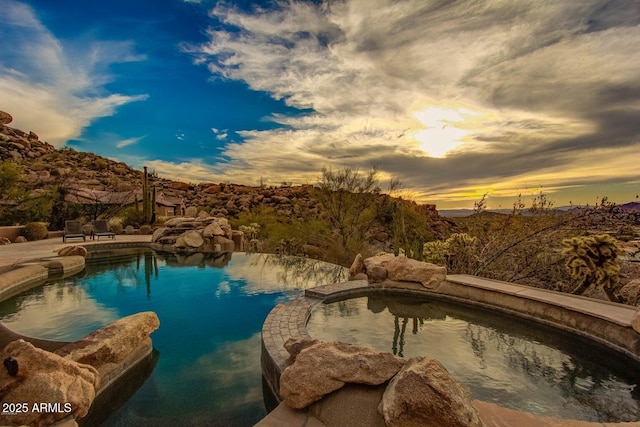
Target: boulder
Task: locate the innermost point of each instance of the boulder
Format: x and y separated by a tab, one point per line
376	274
323	367
238	240
112	343
226	245
212	229
357	266
20	239
406	269
630	292
192	239
159	233
191	211
35	376
295	345
400	268
635	322
4	241
424	394
73	250
5	118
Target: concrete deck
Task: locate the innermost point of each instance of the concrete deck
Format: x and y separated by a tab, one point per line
18	253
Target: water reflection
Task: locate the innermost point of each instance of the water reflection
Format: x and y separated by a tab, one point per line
502	359
211	312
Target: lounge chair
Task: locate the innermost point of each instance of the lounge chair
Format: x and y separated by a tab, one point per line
72	229
101	228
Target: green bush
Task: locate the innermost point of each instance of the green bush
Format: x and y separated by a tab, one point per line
36	231
133	217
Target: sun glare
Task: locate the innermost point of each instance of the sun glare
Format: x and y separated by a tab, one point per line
444	129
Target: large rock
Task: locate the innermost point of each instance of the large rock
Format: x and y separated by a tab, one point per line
112	343
73	250
406	269
5	118
357	267
401	268
323	367
205	234
35	376
212	229
424	394
630	292
192	239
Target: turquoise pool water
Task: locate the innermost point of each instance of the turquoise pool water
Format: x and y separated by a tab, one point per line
504	360
211	312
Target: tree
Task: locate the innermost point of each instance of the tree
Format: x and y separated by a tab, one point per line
348	199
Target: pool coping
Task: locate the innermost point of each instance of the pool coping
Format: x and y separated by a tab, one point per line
600	321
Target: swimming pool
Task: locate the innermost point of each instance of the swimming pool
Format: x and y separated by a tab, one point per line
504	360
211	312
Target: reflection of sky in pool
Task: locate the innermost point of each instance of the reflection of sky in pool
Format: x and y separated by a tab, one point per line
503	360
208	372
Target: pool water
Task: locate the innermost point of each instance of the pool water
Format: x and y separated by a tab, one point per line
504	360
211	313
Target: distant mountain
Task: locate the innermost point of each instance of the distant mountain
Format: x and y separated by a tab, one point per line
461	213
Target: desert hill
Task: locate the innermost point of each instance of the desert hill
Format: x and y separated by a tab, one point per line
43	165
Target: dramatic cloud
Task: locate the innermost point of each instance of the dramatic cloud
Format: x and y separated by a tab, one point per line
55	87
454	98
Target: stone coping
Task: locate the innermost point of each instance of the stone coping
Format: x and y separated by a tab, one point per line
601	321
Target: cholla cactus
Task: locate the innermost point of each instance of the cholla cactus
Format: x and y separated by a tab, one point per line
435	252
251	231
593	260
457	253
462	252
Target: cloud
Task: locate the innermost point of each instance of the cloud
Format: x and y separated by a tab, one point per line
505	92
52	87
129	141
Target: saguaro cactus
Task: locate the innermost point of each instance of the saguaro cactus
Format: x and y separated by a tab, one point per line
148	200
593	260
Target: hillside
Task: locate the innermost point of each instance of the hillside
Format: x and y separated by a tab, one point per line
42	165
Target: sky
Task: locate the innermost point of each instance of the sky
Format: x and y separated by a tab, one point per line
455	98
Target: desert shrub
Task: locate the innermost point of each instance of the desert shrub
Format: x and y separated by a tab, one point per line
145	229
115	224
132	217
129	230
100	164
593	260
267	230
36	231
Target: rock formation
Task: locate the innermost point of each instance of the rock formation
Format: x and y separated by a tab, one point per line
344	384
67	380
197	234
113	343
33	376
73	250
424	394
323	367
400	268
